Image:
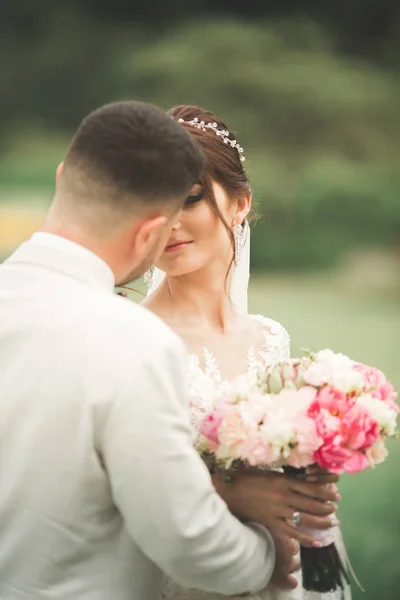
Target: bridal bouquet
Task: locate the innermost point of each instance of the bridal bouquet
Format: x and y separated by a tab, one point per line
322	409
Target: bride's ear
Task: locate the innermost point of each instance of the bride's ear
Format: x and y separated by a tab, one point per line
243	207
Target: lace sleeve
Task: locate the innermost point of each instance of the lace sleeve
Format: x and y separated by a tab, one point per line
277	341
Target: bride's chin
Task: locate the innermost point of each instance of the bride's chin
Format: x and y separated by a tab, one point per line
178	270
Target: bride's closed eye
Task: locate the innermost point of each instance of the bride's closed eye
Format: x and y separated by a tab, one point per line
194	198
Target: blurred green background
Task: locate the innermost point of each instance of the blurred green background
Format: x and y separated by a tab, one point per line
312	91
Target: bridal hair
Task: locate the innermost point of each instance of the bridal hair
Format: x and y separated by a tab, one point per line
223	159
130	156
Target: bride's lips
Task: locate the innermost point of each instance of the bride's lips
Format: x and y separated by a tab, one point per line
175	246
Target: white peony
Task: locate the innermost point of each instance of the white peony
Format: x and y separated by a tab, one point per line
278	431
243	385
334	369
380	412
377	453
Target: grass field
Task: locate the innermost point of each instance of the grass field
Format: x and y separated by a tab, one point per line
355	310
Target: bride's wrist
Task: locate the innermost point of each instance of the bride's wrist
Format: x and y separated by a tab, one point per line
232	491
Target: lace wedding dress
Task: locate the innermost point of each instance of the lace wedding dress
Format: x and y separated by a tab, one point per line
206	384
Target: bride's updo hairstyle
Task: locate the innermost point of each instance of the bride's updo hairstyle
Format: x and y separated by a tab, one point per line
223	159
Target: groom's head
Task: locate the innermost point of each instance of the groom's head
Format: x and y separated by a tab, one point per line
124	179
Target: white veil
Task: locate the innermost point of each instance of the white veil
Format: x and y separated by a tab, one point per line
240	275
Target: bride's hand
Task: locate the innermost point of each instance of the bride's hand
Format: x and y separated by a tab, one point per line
272	498
317	475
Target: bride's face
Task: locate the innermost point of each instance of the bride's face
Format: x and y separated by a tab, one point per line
199	238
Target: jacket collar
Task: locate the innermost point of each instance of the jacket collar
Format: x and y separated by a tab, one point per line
58	254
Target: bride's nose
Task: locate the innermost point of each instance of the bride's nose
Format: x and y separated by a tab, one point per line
177	223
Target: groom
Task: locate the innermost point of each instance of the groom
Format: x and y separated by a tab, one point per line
100	487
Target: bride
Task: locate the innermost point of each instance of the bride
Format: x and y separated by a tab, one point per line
199	289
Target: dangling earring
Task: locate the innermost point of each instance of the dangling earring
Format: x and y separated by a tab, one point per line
148	278
238	238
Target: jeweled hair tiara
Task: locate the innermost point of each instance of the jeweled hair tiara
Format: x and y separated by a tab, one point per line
222	133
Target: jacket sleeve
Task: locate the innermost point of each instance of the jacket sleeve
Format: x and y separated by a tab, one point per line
164	491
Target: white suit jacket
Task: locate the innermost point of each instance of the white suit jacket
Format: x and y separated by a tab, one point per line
100	487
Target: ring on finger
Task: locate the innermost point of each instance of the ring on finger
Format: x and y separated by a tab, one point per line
295	520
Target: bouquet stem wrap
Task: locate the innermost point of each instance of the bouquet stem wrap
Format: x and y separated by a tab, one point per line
323	569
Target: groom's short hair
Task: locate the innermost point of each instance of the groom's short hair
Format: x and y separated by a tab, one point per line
128	154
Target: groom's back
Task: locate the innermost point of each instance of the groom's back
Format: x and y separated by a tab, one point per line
66	349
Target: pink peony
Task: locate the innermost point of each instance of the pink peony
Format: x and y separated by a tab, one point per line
235	428
333	456
210	424
358	429
297	401
387	394
376	383
373	378
307	442
335	401
328	425
258	453
358	462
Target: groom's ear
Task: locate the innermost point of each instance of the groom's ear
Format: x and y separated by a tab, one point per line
59	171
148	236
